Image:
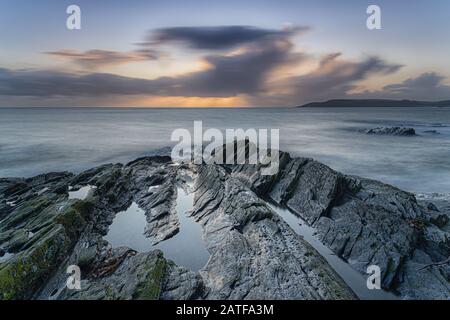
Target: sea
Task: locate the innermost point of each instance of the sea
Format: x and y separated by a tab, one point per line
39	140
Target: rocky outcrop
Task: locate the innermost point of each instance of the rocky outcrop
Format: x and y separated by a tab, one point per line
254	254
367	222
391	131
432	132
40	226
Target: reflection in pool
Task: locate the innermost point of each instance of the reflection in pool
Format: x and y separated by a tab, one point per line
355	280
185	249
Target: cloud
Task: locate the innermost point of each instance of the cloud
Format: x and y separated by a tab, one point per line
45	83
228	75
245	73
94	59
218	37
332	79
429	86
427	81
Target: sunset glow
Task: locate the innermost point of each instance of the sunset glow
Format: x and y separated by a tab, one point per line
143	56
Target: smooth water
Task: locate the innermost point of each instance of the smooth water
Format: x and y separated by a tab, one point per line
38	140
185	248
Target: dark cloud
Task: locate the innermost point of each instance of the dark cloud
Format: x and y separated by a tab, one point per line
247	72
430	85
243	73
333	79
217	38
93	59
227	75
427	86
44	83
426	81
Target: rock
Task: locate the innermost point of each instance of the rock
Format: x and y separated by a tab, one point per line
432	207
142	276
28	270
182	284
432	131
438	219
138	277
159	207
41	230
86	257
367	222
392	131
254	254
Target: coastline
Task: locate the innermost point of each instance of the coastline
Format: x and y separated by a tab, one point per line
343	210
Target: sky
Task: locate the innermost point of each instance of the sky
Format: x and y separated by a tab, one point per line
246	53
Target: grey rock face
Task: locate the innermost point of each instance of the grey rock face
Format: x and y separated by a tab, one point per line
182	284
39	229
367	222
392	131
137	276
254	254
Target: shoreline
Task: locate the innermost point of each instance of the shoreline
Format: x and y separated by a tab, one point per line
327	201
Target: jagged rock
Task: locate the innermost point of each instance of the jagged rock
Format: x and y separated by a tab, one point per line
182	284
153	187
392	131
40	230
254	254
138	276
367	222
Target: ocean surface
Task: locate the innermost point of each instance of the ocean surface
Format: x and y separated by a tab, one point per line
39	140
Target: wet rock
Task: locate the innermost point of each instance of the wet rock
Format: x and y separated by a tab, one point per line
138	276
28	270
41	229
368	223
182	284
158	205
86	257
254	254
392	131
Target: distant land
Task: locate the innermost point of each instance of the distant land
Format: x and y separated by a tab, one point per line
339	103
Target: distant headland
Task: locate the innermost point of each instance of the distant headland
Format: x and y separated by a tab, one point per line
339	103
